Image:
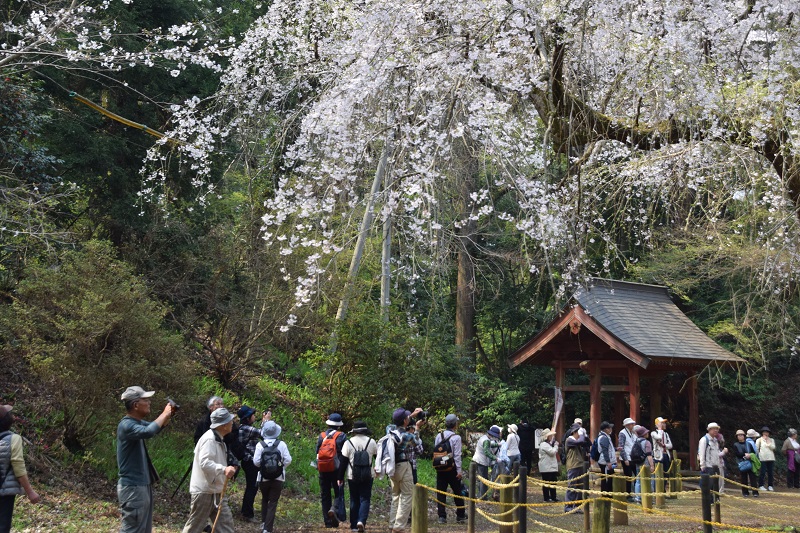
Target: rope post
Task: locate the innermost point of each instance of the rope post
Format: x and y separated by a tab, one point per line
705	492
601	520
473	478
660	503
678	477
717	508
522	499
620	502
587	519
645	488
673	478
419	510
506	503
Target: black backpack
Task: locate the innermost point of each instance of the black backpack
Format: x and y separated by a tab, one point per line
637	452
443	460
361	464
271	461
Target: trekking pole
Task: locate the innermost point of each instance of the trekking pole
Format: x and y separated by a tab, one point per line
188	471
219	509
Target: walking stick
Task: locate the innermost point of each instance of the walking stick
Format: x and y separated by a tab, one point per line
188	471
219	510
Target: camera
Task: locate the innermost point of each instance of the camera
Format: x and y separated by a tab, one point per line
422	415
175	406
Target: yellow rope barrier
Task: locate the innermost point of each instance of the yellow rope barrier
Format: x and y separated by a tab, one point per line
494	521
514	483
761	501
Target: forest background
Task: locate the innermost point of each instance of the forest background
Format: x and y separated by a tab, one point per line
360	205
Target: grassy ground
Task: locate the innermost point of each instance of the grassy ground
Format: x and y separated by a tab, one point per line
91	507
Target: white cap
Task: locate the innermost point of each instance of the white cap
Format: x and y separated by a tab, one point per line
628	421
712	425
578	421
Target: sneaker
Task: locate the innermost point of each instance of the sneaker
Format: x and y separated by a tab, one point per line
755	495
442	519
762	487
360	527
745	495
461	520
251	519
332	517
770	488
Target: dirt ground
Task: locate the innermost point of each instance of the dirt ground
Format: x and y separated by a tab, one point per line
92	510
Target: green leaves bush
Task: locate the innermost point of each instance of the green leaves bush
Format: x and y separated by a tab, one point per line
88	328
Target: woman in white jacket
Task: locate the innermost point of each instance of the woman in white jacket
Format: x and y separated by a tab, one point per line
662	446
548	463
270	488
765	446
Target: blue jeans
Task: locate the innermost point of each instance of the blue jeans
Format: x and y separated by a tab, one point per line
360	497
513	462
136	507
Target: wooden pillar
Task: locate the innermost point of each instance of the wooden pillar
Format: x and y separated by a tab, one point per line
694	422
419	510
595	399
560	374
633	392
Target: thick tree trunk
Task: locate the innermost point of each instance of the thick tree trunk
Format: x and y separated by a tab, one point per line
465	282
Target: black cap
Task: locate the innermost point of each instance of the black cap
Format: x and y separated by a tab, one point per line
605	425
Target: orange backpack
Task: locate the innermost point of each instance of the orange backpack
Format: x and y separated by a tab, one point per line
327	456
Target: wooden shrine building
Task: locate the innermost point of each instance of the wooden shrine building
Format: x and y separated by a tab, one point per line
621	333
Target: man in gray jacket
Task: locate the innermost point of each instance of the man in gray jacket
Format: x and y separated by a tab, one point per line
209	472
136	472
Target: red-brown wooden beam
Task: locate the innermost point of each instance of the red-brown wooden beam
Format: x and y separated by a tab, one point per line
633	392
560	383
595	398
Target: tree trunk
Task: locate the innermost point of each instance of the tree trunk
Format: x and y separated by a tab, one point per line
465	283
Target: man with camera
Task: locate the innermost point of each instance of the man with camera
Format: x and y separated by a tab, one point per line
136	471
447	449
249	436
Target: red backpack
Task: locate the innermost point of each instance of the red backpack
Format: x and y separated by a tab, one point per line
327	456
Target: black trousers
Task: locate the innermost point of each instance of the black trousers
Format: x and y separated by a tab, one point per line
443	481
549	493
250	488
6	510
793	478
328	482
270	493
607	483
629	471
527	457
749	478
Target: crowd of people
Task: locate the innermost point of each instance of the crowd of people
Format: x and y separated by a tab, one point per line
223	448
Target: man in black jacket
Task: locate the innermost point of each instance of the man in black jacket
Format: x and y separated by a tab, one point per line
333	510
526	440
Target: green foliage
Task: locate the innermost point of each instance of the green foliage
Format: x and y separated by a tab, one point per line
88	328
